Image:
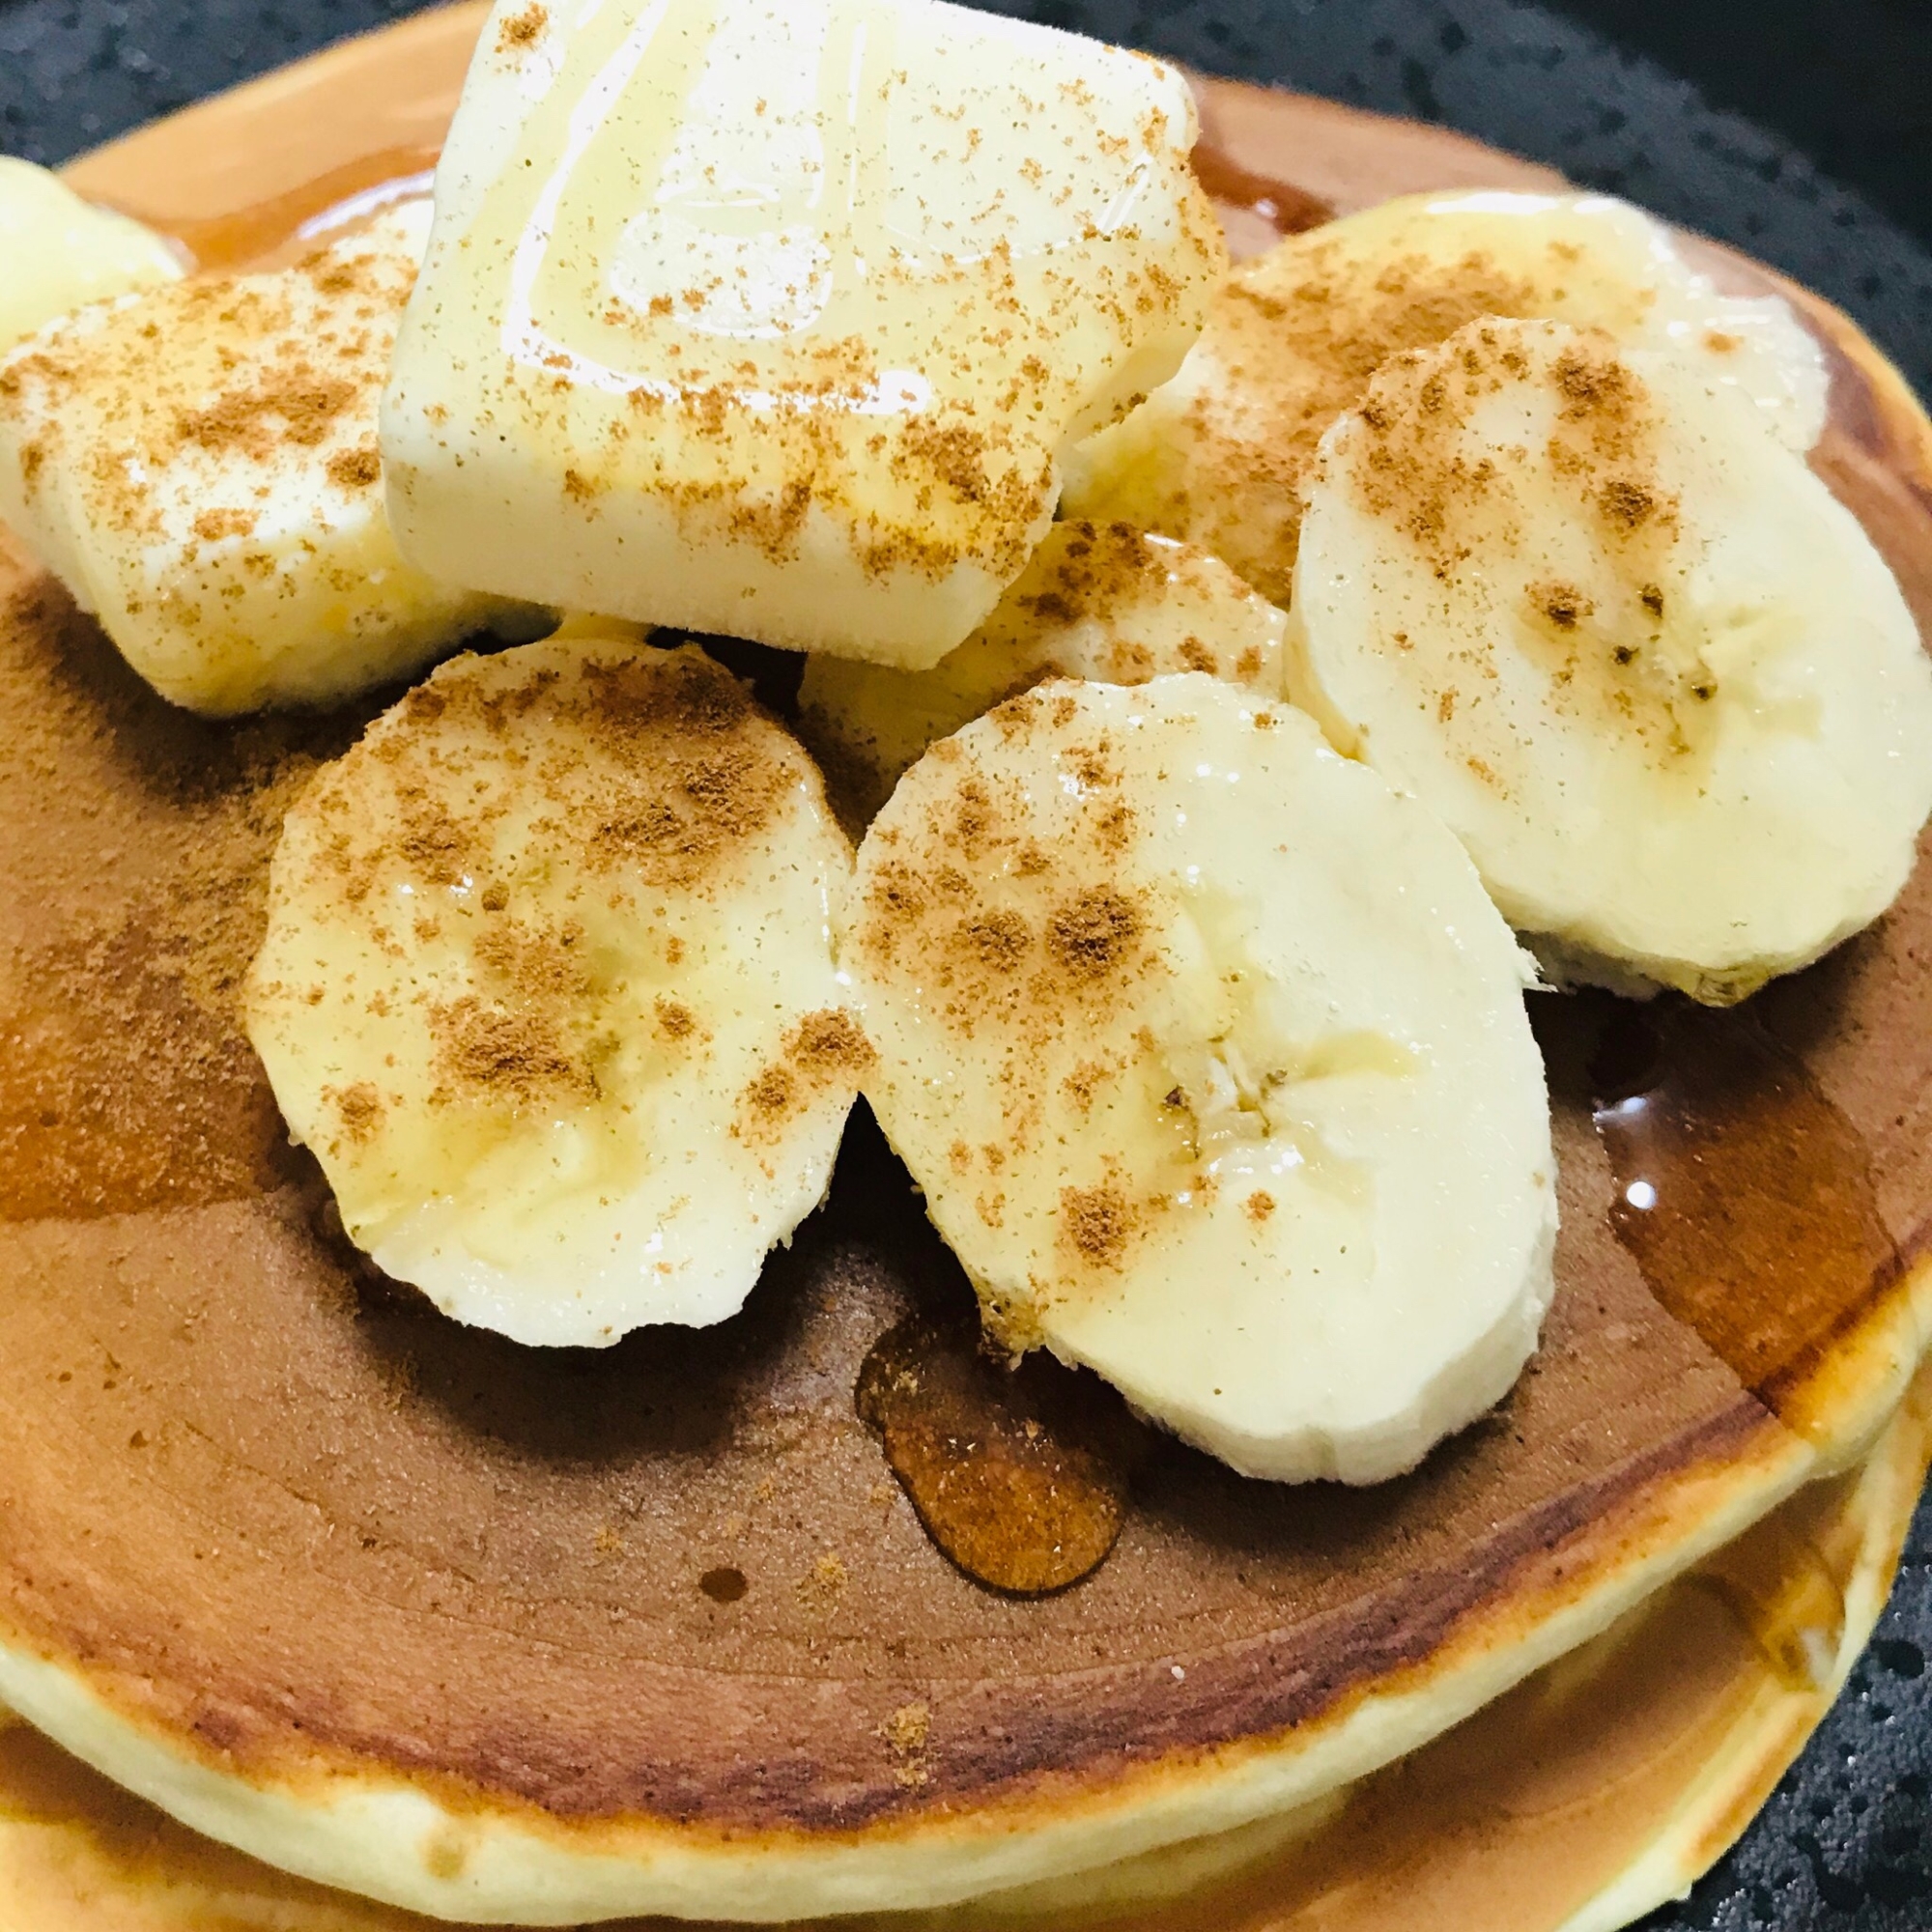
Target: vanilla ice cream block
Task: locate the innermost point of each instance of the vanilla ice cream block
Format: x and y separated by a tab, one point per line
198	465
61	252
773	320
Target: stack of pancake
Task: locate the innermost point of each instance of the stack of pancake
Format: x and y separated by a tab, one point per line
413	1611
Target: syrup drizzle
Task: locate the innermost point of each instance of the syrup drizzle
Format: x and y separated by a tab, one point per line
287	225
1744	1194
266	232
1021	1475
1236	190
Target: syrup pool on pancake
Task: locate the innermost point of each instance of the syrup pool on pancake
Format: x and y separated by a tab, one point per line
772	320
197	463
548	987
1220	454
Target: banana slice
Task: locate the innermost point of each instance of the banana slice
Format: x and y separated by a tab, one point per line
1100	601
62	252
1585	605
548	988
197	463
1210	1057
1219	454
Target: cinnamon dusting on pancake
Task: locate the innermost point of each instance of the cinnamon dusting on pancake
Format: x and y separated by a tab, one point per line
125	1081
905	1733
87	1128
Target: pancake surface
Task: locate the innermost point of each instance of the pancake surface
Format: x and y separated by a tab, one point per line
297	1532
1602	1785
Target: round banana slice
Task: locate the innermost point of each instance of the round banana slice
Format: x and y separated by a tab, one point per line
1100	601
1585	605
548	987
1210	1057
1218	455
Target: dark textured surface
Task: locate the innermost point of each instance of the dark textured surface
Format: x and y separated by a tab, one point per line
1846	1844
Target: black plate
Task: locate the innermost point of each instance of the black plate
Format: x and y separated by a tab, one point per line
1846	1844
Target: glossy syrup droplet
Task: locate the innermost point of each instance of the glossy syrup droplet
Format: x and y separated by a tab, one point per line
1744	1195
286	227
1020	1476
1284	209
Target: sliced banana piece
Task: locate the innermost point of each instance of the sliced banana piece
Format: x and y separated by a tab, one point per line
1219	454
1585	605
1210	1057
1099	601
548	987
198	465
62	252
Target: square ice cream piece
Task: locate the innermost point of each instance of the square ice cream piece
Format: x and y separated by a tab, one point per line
773	319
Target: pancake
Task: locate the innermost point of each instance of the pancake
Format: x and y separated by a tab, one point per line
494	1633
1599	1788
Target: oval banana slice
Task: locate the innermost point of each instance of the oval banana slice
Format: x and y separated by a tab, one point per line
548	987
1211	1056
1585	605
1101	601
1218	454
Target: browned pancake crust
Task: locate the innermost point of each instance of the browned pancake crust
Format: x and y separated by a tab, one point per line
282	1512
